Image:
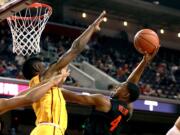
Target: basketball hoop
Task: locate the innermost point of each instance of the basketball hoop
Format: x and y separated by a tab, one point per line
27	26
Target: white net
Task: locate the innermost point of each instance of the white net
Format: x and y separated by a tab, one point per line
27	26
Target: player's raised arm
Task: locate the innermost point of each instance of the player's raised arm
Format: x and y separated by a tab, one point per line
32	95
77	46
137	72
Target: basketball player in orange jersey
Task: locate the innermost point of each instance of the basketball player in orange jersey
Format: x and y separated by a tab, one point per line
50	110
32	94
175	130
109	113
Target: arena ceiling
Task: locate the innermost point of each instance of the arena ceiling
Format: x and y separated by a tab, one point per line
168	3
143	12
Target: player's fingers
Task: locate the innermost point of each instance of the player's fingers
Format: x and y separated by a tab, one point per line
58	76
69	71
64	69
101	20
100	17
145	54
103	14
98	28
97	25
156	51
66	74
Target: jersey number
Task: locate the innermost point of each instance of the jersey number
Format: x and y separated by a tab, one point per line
115	123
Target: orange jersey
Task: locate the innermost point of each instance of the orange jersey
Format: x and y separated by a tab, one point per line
51	108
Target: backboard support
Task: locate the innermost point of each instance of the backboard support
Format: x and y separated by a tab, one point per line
13	6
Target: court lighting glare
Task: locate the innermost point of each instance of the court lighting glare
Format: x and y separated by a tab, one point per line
105	19
156	2
162	31
125	23
178	35
84	15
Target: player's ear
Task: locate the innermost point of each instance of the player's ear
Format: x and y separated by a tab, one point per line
127	95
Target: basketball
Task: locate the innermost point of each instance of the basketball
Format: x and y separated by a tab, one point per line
146	40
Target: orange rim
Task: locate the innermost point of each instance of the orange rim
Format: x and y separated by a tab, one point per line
34	5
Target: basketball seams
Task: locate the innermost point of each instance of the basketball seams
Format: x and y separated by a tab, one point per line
136	45
150	34
150	43
153	34
146	40
148	31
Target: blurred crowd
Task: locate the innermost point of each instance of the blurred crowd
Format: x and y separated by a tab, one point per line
115	56
11	64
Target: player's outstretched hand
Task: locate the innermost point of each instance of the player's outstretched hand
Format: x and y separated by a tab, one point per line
98	21
64	72
60	78
148	57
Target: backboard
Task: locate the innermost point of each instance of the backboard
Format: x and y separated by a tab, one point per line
9	7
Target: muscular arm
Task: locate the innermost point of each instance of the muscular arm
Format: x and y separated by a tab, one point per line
26	91
137	72
101	102
77	46
32	95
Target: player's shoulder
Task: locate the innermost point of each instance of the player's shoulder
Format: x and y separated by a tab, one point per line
102	97
104	103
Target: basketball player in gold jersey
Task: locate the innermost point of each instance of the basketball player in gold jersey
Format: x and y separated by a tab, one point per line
50	110
32	94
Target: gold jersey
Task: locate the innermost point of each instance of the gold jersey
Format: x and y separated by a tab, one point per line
51	108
